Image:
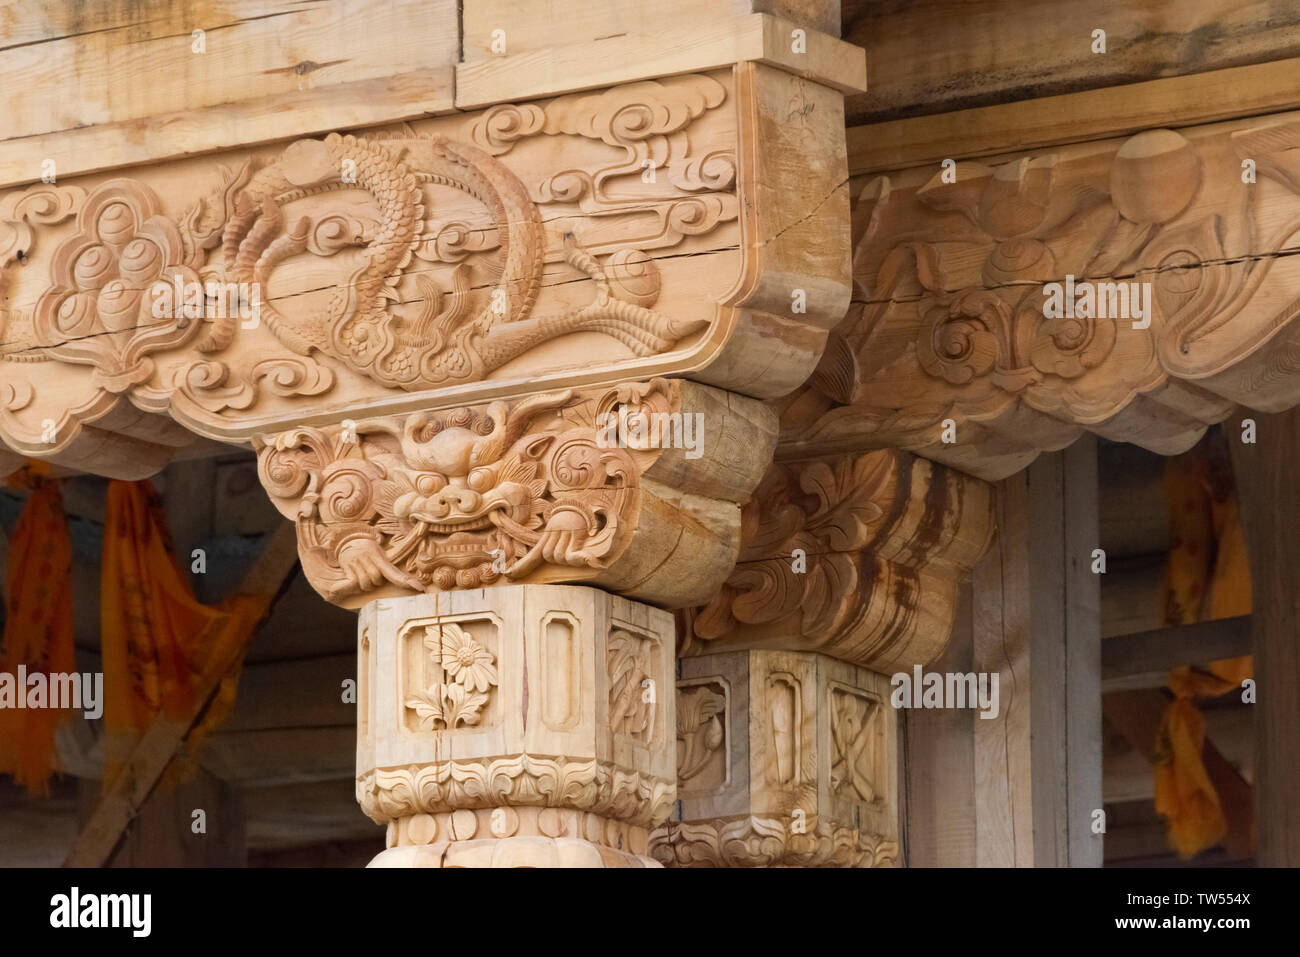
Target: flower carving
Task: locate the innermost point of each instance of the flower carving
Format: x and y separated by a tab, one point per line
467	673
98	309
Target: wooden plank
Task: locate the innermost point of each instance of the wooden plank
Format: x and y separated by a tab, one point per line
1038	764
113	76
161	740
1155	652
187	132
1075	117
939	767
487	24
954	54
1267	490
683	48
1003	768
30	22
1081	635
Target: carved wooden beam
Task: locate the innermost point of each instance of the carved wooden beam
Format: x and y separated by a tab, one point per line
959	346
654	228
857	557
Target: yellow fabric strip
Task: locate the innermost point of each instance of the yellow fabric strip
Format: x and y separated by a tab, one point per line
158	639
1208	576
38	629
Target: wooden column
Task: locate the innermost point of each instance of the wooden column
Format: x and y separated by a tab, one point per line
938	758
1037	624
1270	508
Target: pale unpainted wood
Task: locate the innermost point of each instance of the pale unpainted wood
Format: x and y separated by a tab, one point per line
131	72
1004	784
952	54
938	766
1037	612
676	48
1265	473
491	26
250	122
1074	117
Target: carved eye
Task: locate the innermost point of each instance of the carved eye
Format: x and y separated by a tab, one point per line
427	483
481	479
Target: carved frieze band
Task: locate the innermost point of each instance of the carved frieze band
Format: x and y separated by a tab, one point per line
859	557
633	488
767	842
586	239
524	780
1135	288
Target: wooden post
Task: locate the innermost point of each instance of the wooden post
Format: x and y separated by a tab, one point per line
1036	616
938	765
1265	472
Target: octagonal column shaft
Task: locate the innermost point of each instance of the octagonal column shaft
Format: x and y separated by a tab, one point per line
515	726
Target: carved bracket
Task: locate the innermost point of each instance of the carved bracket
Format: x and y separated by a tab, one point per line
1137	288
634	488
858	557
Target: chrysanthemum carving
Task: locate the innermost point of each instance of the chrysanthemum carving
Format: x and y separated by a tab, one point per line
467	671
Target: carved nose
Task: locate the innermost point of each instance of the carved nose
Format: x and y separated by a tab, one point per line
456	500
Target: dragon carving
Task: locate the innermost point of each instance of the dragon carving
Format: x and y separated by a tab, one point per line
444	344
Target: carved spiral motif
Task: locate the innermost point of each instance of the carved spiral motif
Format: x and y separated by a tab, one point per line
960	341
577	463
1019	259
346	495
634	277
285	472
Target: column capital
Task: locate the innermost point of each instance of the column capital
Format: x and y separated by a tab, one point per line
855	556
634	488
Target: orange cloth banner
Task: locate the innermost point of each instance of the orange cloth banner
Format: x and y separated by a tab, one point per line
38	628
1208	577
158	639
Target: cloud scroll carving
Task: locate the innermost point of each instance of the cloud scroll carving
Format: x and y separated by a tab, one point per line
578	241
950	321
